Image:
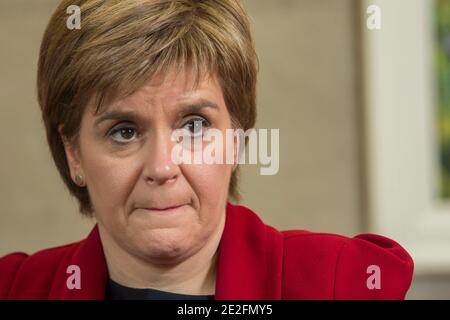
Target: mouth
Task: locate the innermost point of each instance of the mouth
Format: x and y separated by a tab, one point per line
165	210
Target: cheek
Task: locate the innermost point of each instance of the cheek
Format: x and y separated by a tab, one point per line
109	175
209	182
110	181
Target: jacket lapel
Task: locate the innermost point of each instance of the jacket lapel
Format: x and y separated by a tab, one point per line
250	258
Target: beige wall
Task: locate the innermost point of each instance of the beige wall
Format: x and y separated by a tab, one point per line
307	89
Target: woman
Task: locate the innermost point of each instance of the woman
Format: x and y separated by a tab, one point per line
112	93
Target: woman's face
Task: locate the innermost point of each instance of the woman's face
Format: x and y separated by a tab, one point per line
125	156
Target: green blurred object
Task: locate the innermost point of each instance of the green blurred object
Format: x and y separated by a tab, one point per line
442	52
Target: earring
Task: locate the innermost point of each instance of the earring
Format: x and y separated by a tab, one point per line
79	180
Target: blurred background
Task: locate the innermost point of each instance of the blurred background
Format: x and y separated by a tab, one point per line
363	112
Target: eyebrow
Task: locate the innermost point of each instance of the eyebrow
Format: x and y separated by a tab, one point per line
183	108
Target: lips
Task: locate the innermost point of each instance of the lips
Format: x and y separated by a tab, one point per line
164	208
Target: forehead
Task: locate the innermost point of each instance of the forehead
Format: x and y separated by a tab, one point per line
171	89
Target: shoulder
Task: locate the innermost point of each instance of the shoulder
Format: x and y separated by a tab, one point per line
331	266
20	272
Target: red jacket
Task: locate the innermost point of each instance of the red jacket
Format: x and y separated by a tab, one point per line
255	261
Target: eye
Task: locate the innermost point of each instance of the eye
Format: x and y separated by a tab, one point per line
196	126
123	134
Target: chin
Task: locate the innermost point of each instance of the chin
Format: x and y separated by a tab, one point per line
164	244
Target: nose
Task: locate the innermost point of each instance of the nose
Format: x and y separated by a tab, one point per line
159	167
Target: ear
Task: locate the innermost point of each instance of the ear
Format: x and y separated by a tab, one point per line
72	155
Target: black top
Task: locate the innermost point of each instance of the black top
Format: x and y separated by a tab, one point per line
116	291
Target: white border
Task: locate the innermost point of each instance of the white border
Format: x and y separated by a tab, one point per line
400	120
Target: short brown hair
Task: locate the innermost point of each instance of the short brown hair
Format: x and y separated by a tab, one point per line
123	43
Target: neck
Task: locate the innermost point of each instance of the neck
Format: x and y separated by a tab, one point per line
195	275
